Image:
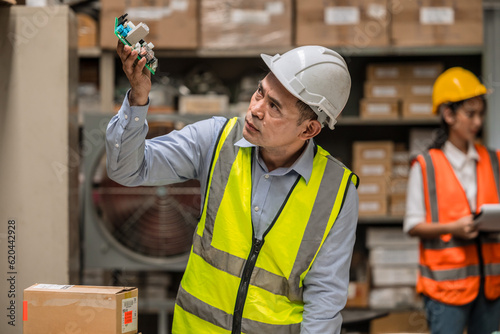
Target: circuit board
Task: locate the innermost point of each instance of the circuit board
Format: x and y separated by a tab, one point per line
133	35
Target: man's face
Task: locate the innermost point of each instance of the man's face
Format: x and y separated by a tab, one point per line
272	117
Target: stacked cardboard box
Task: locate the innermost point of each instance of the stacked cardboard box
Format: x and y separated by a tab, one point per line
393	258
392	91
172	24
358	23
372	162
437	22
399	180
227	24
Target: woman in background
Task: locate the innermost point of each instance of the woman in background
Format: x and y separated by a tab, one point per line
459	274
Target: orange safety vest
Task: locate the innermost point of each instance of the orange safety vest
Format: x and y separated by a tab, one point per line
451	268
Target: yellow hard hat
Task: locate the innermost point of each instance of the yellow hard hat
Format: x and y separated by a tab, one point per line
455	84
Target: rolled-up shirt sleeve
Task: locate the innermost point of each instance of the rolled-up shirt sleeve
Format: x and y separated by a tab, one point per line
178	156
326	284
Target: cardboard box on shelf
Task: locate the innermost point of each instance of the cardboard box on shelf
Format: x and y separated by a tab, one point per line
373	186
419	88
87	31
358	23
50	308
404	71
227	24
357	294
394	275
394	298
203	104
437	22
379	151
171	26
418	107
376	108
389	89
399	185
394	255
373	168
389	237
372	205
397	205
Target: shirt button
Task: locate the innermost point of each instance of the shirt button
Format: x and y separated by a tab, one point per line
126	116
136	119
117	145
266	176
256	208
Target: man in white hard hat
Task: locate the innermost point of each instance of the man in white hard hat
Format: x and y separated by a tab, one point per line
272	250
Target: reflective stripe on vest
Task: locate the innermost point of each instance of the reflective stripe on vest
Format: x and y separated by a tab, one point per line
448	263
223	242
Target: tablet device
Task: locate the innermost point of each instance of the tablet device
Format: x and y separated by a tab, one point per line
488	218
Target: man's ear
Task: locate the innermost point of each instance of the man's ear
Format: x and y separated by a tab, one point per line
312	129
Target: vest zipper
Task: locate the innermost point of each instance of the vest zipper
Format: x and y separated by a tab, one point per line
244	284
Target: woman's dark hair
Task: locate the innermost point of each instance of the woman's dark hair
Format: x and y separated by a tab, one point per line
444	130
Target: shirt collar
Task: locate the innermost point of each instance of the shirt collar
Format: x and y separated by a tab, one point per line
302	166
458	158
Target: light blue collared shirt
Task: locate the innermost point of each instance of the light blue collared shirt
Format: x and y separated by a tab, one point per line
187	154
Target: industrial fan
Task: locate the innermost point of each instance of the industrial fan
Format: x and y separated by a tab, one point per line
137	228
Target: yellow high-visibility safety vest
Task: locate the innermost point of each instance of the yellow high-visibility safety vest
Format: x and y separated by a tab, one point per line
234	283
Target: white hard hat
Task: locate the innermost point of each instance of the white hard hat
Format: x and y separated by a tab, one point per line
315	75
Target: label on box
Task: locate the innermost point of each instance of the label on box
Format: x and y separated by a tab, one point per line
53	286
437	15
369	206
275	8
351	290
373	153
179	5
369	189
129	314
375	170
246	16
420	108
421	90
148	13
427	72
376	11
342	15
384	91
387	72
378	108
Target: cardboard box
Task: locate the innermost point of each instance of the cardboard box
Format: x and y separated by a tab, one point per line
376	108
372	205
203	104
419	88
400	322
50	308
374	168
399	185
396	275
394	297
373	186
418	108
394	255
391	89
437	22
404	72
358	294
87	31
227	24
358	23
397	205
373	151
172	25
389	237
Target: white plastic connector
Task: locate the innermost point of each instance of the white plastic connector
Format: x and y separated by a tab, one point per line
151	45
137	33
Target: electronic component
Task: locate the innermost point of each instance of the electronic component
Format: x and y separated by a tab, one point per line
133	36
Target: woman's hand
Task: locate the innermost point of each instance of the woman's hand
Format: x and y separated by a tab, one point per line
464	228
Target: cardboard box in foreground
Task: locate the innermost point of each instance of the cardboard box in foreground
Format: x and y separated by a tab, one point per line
50	308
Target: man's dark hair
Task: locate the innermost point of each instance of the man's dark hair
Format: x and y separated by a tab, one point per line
305	112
